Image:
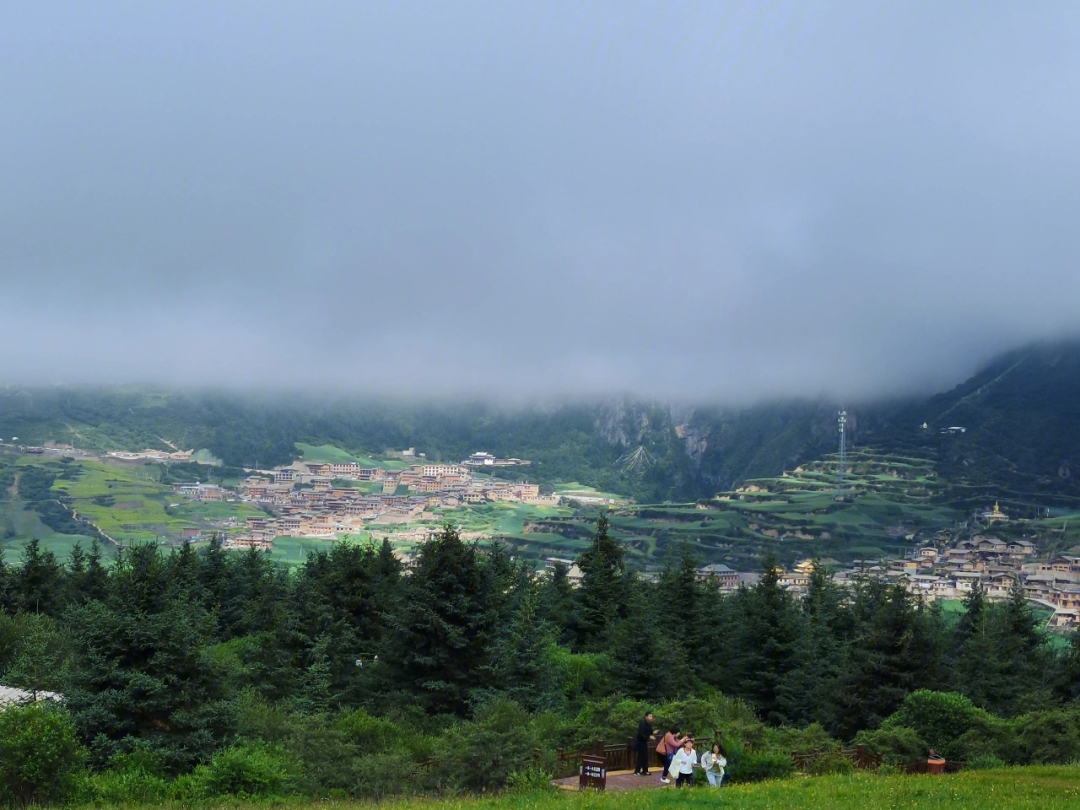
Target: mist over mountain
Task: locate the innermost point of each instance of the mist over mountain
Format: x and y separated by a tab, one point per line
1020	417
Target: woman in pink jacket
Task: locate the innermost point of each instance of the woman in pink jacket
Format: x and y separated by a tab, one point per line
666	748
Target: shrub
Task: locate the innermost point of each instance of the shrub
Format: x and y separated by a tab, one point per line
379	775
811	738
939	718
712	716
530	780
831	762
481	755
41	760
988	736
377	735
611	719
1047	738
897	745
985	762
577	673
256	719
244	769
127	787
324	756
755	766
135	777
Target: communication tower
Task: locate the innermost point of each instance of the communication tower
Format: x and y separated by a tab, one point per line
841	422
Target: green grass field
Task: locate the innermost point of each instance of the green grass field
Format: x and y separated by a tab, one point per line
294	550
329	454
1040	788
1032	788
572	489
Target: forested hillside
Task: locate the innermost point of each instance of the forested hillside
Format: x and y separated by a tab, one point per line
1021	426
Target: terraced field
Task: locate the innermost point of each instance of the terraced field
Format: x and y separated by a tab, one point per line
886	501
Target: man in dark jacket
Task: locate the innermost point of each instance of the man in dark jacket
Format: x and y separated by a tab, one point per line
643	744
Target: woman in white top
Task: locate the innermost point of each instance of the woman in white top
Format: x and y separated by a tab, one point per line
683	763
714	763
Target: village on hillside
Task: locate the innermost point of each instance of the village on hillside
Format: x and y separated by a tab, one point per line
329	500
325	500
948	569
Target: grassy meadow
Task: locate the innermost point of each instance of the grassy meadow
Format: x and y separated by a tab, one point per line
1038	788
1027	788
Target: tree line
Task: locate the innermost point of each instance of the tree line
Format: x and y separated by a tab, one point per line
179	665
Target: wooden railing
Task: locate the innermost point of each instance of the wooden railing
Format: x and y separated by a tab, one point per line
620	757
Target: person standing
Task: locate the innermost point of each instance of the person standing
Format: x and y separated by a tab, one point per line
643	744
668	745
684	762
714	762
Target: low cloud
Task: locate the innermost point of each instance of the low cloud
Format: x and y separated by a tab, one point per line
696	201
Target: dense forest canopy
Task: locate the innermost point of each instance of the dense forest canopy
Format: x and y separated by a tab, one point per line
172	664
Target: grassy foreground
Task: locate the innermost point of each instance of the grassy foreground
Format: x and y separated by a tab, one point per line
1029	788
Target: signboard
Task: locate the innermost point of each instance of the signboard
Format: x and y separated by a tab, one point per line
592	773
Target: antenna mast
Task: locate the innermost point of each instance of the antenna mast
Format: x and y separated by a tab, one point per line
841	422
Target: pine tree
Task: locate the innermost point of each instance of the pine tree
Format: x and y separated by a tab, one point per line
1065	676
765	632
605	588
40	583
96	582
519	668
41	657
683	596
142	677
1003	659
809	693
441	627
8	596
899	647
650	662
214	573
556	603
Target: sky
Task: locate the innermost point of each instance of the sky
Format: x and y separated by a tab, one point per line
719	201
